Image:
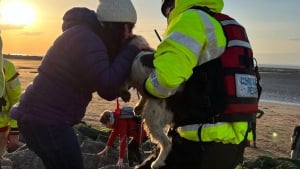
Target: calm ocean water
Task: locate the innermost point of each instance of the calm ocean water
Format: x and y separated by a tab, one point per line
280	85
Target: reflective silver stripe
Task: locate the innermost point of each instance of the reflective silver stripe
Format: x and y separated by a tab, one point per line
160	89
186	41
239	43
12	84
210	125
189	43
192	127
212	49
235	42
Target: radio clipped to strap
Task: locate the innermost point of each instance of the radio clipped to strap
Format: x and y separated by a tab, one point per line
259	88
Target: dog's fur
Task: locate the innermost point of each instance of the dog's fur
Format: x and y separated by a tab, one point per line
154	111
146	164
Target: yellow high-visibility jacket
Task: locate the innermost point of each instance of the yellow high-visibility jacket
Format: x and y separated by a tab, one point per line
12	94
192	38
2	83
224	132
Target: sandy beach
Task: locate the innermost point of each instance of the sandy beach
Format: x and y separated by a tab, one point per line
274	129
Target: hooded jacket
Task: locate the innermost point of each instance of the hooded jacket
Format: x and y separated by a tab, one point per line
191	39
75	66
2	80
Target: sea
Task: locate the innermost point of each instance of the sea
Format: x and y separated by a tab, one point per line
280	84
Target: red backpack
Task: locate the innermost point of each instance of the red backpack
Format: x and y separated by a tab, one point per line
241	76
224	89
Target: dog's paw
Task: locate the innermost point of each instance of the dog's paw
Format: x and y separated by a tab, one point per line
138	110
157	165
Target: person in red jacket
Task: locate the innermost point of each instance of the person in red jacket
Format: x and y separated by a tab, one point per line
125	126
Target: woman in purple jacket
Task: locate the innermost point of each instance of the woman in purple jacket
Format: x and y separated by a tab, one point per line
89	56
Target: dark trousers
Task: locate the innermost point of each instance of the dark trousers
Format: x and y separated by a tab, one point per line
253	127
134	153
57	146
195	155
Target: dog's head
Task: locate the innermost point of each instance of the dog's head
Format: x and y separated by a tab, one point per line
141	68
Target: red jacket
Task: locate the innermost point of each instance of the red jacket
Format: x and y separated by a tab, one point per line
125	128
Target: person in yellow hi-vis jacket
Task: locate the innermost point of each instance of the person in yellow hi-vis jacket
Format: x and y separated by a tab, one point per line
2	81
204	68
9	134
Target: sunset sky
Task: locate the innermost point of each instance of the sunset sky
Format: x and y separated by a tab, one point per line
30	26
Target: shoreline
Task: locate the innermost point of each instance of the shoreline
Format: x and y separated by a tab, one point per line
261	67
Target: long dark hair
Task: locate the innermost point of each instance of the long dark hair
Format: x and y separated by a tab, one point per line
113	34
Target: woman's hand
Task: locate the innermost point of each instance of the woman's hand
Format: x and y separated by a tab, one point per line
120	163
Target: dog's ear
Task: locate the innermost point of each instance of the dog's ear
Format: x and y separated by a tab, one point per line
147	60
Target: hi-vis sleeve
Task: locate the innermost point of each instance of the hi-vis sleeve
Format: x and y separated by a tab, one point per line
224	132
2	79
185	46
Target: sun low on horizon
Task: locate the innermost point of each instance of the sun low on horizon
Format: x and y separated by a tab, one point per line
17	13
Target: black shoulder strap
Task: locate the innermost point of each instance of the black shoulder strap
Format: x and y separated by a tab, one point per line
204	8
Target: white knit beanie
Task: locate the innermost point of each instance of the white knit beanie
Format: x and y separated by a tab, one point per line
116	11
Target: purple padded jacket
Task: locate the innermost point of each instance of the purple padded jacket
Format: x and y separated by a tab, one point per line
76	66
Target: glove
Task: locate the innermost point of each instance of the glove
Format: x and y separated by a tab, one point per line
120	163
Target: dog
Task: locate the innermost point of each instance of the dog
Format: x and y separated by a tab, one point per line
157	117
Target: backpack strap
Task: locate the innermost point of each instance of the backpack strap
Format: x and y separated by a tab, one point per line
117	109
203	8
259	88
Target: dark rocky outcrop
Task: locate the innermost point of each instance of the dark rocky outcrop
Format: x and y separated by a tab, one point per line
92	141
265	162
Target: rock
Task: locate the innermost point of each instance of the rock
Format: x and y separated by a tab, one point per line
93	147
25	159
92	160
265	162
85	131
6	163
114	167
